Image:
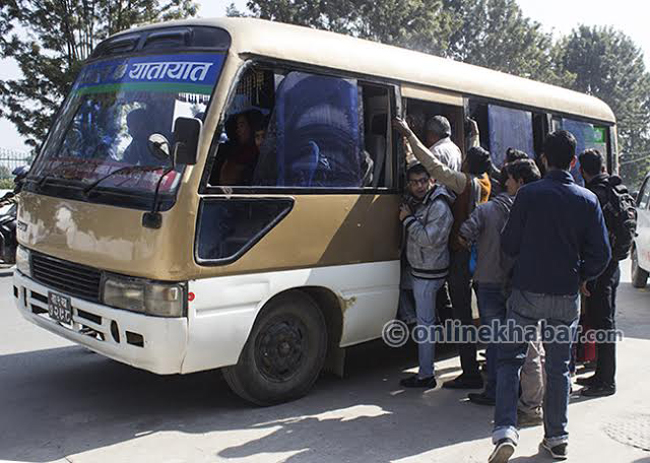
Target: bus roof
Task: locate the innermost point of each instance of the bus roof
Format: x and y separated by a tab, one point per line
331	50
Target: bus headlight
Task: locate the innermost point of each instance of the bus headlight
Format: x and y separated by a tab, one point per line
151	298
22	261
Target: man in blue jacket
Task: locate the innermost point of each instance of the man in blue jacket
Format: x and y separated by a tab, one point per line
557	236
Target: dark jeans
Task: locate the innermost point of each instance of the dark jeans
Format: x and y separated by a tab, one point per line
460	290
526	310
601	311
492	308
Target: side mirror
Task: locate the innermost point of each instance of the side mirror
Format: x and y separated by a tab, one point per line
186	140
159	146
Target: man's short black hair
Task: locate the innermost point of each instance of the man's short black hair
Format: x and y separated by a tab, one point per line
560	149
513	154
591	162
478	160
416	169
523	169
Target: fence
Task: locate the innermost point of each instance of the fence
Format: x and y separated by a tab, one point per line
10	159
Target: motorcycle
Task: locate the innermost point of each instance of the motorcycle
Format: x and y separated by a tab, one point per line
8	242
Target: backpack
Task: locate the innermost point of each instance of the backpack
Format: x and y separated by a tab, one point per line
619	211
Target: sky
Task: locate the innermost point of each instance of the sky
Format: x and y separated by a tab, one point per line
557	16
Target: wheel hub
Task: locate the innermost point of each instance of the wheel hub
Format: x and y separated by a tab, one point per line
280	348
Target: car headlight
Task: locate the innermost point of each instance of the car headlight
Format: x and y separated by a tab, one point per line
22	261
151	298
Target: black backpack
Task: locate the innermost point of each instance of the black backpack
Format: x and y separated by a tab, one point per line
619	211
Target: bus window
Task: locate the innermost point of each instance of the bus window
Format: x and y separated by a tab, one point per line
314	138
314	132
509	128
228	227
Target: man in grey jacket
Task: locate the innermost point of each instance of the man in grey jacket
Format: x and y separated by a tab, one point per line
492	273
426	229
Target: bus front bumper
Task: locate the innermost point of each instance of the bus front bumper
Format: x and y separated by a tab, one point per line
155	344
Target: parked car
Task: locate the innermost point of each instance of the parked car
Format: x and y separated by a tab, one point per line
640	255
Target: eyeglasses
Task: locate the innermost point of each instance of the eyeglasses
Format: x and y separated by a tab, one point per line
420	181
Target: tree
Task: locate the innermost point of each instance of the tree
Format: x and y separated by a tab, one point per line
490	33
496	34
54	38
416	24
607	64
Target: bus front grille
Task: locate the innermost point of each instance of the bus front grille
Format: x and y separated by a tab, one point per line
68	277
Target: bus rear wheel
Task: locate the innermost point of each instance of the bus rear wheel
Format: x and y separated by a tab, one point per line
284	353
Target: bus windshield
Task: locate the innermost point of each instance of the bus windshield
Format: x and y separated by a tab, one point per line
114	107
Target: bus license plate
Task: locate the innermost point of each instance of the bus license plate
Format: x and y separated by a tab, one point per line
60	308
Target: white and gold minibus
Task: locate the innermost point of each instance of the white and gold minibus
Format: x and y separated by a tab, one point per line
223	193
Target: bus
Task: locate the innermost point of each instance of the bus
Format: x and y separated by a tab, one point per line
223	193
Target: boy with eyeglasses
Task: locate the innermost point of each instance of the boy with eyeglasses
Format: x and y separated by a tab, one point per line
427	220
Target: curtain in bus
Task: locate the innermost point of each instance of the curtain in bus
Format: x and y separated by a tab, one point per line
509	128
314	137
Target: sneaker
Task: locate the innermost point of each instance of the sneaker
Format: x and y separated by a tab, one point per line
502	451
464	382
598	390
558	452
588	381
527	420
415	381
480	398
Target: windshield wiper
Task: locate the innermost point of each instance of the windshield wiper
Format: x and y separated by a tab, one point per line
121	170
49	176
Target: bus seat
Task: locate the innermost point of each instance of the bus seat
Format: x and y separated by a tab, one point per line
313	138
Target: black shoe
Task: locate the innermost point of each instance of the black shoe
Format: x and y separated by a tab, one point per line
464	382
588	381
415	381
503	451
598	390
480	398
558	452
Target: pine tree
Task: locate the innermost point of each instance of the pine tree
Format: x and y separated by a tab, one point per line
609	65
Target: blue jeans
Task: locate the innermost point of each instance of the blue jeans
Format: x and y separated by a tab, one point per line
425	292
492	308
526	310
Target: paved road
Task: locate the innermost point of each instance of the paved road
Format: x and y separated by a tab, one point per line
60	402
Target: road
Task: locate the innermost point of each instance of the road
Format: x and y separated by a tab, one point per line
60	402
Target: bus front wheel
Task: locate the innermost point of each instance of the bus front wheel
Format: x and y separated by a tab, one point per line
284	353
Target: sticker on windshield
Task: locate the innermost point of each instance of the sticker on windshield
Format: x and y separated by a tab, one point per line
188	73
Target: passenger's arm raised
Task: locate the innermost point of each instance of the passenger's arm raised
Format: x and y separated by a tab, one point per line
456	181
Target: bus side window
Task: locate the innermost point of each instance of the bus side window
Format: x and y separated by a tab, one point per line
315	137
509	128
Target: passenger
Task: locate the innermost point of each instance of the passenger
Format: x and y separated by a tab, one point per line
473	188
138	153
557	235
426	227
498	177
601	300
437	138
491	277
241	151
260	133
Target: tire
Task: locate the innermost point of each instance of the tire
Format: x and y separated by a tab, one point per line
639	276
284	354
